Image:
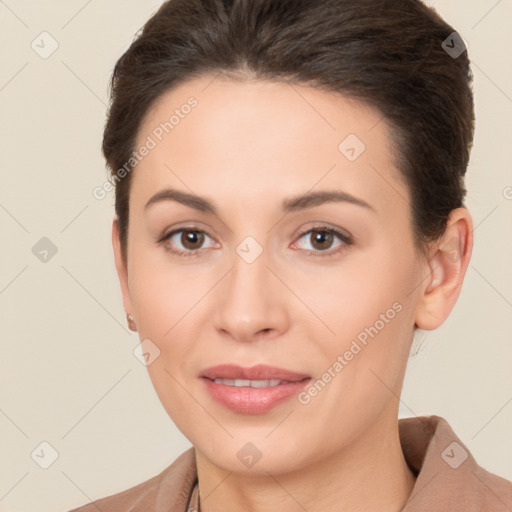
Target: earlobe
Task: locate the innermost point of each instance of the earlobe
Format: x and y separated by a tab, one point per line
447	264
121	266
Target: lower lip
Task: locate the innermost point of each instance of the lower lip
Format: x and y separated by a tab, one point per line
253	400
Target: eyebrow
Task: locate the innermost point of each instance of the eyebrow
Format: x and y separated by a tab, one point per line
292	204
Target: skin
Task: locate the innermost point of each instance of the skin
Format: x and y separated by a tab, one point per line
246	147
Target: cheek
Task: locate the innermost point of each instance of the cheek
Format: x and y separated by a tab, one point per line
163	293
368	308
166	302
351	297
161	300
175	393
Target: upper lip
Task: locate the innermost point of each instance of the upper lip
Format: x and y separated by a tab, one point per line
257	372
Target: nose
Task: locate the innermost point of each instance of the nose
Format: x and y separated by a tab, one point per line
251	303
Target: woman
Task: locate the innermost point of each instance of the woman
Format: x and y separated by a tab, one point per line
289	210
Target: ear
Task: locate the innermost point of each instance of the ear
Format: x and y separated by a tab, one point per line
447	262
121	267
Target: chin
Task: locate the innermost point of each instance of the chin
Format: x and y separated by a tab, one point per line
256	455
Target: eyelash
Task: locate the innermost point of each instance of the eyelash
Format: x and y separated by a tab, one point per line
346	239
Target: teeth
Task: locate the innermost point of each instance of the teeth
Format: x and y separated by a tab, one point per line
249	383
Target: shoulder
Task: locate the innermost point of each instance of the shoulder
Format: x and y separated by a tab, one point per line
448	476
169	490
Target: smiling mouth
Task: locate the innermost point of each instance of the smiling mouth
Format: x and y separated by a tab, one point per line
245	396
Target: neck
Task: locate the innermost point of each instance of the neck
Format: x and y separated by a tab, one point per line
369	474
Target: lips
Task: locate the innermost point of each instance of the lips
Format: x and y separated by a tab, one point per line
253	390
257	372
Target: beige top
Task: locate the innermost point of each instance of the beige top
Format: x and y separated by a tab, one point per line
448	478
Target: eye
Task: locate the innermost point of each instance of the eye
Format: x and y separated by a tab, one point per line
322	238
191	239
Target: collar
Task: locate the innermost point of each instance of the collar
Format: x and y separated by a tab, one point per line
448	477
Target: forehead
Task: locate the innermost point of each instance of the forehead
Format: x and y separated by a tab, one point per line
255	139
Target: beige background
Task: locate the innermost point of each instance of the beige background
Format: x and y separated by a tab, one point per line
68	374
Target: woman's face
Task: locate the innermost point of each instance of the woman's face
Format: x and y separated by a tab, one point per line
260	279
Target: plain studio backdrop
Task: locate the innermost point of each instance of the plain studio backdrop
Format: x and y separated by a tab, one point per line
69	378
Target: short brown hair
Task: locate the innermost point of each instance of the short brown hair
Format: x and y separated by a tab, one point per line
387	53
